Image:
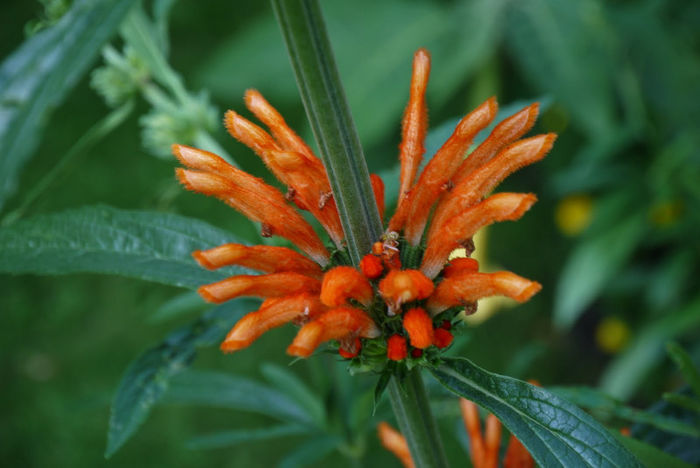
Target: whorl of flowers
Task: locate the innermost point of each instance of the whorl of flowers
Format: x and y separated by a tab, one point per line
400	302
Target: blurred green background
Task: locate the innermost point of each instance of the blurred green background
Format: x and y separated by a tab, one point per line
614	239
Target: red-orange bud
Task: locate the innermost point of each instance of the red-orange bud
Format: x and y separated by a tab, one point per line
419	326
416	353
371	266
351	349
396	348
443	338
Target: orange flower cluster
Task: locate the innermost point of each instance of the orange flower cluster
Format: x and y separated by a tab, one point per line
483	447
399	294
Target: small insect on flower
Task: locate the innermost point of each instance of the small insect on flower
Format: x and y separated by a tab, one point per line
397	306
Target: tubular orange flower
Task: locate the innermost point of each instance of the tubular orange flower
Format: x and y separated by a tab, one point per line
400	302
483	447
343	283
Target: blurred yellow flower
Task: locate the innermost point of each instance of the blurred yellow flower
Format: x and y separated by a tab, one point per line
612	335
573	214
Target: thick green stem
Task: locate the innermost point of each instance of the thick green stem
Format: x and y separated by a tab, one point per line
412	410
327	109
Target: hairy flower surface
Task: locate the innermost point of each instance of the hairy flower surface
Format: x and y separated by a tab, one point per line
484	447
400	302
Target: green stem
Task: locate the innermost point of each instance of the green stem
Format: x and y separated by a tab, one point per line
412	410
99	130
326	107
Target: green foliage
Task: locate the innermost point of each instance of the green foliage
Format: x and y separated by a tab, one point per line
555	432
38	75
150	375
150	246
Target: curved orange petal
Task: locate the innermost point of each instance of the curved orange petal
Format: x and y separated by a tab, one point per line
342	283
414	124
334	324
470	415
378	189
402	286
460	265
475	186
499	207
393	441
272	313
517	455
266	258
413	213
492	441
249	195
469	287
272	285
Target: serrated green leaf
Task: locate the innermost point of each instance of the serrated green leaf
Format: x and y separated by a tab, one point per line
287	382
649	455
138	244
41	72
625	373
228	391
149	376
555	432
596	400
229	438
592	264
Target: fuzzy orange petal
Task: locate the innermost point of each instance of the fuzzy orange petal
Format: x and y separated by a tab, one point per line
371	266
470	415
469	287
402	286
334	324
413	213
499	207
272	285
265	258
414	124
393	441
249	195
272	313
342	283
419	326
517	455
460	265
505	133
474	187
378	189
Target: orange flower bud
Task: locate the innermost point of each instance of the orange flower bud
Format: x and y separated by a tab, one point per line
419	326
266	258
394	442
371	266
350	348
272	313
443	338
402	286
469	287
396	348
338	323
272	285
460	265
342	283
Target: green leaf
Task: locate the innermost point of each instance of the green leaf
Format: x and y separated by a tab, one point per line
649	455
287	382
181	304
685	365
150	375
686	402
328	112
593	263
598	401
229	438
554	431
138	244
40	73
228	391
310	452
625	373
